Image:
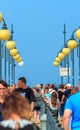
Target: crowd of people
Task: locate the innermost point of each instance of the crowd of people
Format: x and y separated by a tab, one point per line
19	104
16	106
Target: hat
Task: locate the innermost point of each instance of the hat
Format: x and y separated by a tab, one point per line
38	86
68	84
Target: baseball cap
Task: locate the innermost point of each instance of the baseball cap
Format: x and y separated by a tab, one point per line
68	84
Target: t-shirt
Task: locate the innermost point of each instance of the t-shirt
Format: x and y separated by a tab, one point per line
73	104
28	93
60	94
67	94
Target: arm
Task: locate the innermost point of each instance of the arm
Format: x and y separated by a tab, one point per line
79	86
32	105
63	97
32	98
66	119
32	109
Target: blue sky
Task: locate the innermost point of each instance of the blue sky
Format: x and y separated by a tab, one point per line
38	33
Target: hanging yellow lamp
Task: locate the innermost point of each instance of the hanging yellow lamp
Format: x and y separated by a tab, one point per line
78	33
61	55
72	44
55	63
58	59
19	60
1	17
4	34
66	51
10	44
13	52
16	57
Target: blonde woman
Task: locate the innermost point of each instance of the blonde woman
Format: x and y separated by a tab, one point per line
54	103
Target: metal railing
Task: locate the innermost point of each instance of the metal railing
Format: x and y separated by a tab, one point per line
49	118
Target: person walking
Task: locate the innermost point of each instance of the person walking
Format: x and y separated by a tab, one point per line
72	110
60	94
54	103
25	91
37	105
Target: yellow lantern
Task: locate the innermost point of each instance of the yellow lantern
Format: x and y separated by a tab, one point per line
10	44
4	34
55	63
66	51
61	55
78	34
19	60
13	52
72	44
1	17
16	57
57	59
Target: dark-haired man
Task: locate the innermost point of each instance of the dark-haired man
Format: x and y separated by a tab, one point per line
25	91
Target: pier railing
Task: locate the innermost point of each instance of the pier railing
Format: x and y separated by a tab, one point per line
49	118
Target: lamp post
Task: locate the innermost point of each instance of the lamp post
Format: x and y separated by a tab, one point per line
4	35
72	59
67	62
78	48
66	52
9	68
63	62
0	61
72	44
63	59
12	60
10	53
5	60
11	63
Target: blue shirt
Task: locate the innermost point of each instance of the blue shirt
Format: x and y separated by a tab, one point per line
73	104
48	95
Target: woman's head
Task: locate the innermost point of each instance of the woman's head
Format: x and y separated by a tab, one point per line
46	89
54	98
2	82
62	86
73	90
3	89
15	104
38	90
